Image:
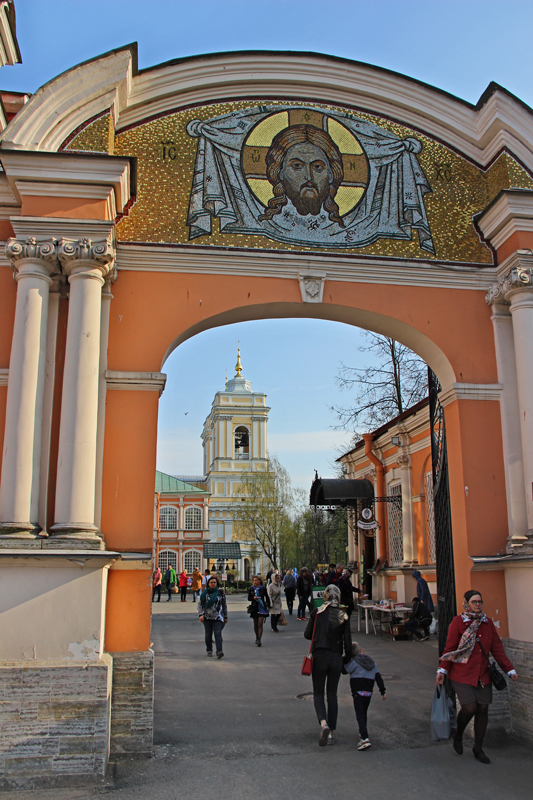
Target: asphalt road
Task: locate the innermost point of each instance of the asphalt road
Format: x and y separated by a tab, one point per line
245	725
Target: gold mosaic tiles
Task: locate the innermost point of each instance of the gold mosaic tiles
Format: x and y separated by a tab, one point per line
97	137
166	156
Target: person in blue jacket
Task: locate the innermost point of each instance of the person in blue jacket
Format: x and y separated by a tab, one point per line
422	591
363	674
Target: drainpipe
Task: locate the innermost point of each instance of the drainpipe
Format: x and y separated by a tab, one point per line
158	540
368	438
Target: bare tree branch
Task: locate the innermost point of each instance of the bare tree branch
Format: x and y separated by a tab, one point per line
383	390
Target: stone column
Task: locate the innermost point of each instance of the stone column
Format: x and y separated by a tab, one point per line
86	263
510	412
33	262
521	298
102	392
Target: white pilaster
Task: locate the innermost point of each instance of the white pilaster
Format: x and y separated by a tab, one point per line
510	413
86	264
408	527
515	286
522	313
20	484
102	391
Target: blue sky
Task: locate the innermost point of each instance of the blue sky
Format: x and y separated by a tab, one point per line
457	46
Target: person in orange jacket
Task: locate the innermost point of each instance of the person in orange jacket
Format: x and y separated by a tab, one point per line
196	583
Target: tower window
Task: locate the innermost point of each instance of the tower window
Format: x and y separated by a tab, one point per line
242	443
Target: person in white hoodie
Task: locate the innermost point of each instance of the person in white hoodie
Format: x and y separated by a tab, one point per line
363	674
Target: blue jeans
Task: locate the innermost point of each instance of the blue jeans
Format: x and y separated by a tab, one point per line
302	606
213	626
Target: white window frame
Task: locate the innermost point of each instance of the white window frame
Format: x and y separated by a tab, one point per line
189	562
163	524
395	527
164	560
190	524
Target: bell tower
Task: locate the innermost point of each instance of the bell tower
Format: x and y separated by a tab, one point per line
234	440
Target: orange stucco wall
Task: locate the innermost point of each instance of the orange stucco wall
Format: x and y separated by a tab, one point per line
67	207
128	610
492	587
129	470
517	241
8	297
150	311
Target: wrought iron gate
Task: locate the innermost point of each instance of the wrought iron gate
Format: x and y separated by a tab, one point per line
443	518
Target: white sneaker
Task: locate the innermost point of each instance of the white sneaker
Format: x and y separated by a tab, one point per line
363	744
324	733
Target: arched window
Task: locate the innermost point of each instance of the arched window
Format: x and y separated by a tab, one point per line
167	558
193	518
192	559
242	443
168	518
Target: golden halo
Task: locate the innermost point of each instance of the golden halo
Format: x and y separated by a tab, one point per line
260	138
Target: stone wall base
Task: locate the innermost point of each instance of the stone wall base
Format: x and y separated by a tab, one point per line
132	705
54	722
521	692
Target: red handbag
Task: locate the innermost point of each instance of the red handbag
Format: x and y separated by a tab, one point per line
307	665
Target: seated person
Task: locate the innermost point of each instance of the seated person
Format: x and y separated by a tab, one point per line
420	618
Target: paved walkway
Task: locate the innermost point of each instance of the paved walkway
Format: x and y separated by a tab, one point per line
245	725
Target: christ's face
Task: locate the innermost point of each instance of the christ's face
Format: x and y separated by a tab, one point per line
306	175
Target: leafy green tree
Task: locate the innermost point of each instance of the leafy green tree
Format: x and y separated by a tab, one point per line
265	510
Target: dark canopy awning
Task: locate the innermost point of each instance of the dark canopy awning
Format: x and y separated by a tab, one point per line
222	550
340	492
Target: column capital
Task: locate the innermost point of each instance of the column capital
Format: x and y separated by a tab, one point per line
86	257
518	278
28	251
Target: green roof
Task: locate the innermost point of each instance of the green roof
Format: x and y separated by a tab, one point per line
223	550
167	484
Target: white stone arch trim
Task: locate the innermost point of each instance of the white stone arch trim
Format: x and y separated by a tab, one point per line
65	102
361	318
498	121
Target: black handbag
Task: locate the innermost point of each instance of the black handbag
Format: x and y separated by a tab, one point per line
496	677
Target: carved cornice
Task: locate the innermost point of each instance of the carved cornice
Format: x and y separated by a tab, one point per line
85	253
32	249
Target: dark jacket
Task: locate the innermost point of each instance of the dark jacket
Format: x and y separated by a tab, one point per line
476	668
332	631
253	608
302	586
332	577
347	592
420	612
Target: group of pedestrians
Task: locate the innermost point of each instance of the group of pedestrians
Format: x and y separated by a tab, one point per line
184	583
472	637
